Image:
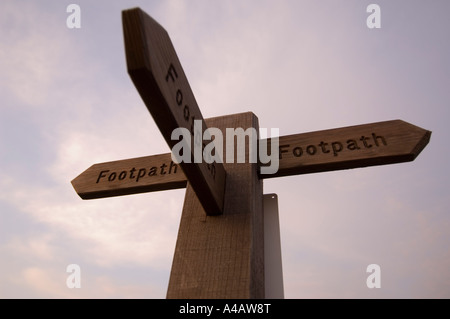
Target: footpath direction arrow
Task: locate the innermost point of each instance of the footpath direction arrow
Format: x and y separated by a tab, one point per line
156	71
336	149
372	144
130	176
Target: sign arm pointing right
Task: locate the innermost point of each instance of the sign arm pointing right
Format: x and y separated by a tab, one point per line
380	143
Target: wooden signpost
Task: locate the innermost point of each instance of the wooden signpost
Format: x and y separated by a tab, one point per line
342	148
220	246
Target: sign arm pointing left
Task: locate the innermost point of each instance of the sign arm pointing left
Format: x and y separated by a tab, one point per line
130	176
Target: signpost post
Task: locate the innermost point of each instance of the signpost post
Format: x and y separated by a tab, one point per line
220	246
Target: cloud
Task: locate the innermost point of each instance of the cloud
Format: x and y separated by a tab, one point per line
50	282
68	103
113	231
79	123
33	53
102	234
41	247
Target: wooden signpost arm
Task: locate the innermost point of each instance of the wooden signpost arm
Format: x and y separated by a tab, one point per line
365	145
130	176
373	144
156	71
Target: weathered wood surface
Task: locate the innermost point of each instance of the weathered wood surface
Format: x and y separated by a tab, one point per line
364	145
223	256
336	149
133	176
156	71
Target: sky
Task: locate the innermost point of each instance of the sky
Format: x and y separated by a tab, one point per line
67	102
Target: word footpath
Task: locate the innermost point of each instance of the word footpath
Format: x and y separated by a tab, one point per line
336	147
141	172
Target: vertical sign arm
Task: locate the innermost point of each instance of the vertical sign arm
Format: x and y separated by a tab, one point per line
160	80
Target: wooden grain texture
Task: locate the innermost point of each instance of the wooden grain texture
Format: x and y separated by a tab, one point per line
125	177
223	256
396	141
364	145
156	71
